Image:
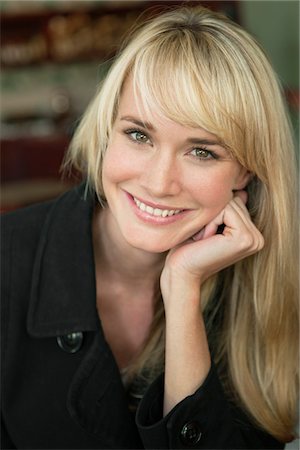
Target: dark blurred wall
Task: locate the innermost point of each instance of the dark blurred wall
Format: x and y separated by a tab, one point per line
276	26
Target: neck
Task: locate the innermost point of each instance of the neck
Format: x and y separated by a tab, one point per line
117	259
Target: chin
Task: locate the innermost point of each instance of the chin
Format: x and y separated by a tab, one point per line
149	245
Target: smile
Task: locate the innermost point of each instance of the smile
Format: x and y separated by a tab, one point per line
157	212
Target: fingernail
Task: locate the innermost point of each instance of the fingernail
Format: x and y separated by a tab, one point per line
198	236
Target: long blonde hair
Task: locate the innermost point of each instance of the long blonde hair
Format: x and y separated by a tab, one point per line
198	68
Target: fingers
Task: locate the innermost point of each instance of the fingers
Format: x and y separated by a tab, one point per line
211	228
239	225
240	197
213	252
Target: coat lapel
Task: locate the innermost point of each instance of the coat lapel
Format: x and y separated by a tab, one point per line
63	300
63	282
97	400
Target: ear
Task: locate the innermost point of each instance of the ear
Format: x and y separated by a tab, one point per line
242	179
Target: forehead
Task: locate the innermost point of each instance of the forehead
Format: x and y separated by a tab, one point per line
183	102
135	103
132	108
153	101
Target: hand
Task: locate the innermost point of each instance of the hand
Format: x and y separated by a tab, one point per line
207	253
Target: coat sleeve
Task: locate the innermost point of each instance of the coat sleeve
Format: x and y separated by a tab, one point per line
204	420
6	442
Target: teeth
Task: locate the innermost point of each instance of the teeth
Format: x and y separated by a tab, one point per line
155	211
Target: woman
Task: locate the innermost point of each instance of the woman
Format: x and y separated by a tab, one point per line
167	281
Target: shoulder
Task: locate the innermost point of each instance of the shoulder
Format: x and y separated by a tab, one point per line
25	218
22	231
20	235
27	231
30	220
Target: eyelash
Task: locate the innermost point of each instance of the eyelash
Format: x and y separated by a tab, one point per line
212	155
130	132
135	130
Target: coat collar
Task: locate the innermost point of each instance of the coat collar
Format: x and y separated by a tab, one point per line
63	289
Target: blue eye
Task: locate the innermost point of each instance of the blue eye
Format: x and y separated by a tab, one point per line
203	153
138	136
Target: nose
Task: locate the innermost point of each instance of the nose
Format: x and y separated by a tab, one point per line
161	176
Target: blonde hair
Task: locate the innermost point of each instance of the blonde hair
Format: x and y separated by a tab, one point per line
200	69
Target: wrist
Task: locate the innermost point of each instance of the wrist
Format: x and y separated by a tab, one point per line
180	291
176	280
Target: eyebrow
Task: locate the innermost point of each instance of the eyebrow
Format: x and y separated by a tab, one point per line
192	140
140	123
204	141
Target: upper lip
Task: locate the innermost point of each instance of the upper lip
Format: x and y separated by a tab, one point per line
158	206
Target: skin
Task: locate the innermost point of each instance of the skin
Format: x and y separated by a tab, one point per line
166	163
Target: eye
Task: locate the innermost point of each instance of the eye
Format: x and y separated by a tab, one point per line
138	136
203	153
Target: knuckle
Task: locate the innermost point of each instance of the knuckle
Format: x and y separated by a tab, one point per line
261	242
246	241
251	242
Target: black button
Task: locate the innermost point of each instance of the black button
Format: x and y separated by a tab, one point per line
190	433
70	343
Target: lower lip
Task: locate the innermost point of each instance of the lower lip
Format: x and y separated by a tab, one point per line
156	220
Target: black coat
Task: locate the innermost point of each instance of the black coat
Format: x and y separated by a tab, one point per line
64	391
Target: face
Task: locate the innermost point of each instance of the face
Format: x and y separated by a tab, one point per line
163	181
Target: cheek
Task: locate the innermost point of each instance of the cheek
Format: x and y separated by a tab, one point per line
212	189
219	194
116	166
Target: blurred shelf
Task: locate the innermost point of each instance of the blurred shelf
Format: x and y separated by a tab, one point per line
27	158
30	170
62	36
76	31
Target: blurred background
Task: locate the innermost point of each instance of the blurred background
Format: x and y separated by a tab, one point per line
53	55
